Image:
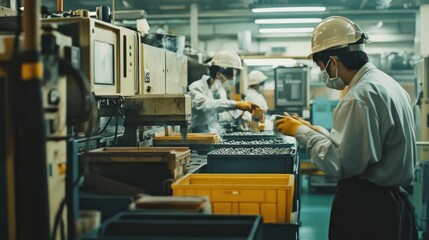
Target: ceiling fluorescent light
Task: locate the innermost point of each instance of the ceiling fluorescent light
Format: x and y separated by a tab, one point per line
288	20
289	9
270	62
172	7
286	30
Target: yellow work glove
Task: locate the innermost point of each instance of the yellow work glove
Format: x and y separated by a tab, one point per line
306	123
246	106
258	114
288	125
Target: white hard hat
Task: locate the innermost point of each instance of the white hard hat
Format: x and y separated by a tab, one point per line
336	32
256	77
226	59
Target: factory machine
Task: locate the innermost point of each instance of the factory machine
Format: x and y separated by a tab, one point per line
421	179
34	117
292	89
140	86
144	84
91	70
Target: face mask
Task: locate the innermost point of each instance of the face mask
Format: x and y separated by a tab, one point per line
334	83
261	88
218	89
227	85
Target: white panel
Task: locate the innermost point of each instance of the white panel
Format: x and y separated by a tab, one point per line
152	71
422	31
129	74
176	73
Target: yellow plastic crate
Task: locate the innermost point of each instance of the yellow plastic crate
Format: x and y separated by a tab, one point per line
269	195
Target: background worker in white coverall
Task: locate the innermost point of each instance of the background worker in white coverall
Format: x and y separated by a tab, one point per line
253	94
371	147
208	94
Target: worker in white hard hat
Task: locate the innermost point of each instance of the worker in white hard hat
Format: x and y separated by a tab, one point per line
253	94
208	94
371	148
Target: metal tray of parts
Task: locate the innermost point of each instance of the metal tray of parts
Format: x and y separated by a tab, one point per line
251	135
252	160
232	143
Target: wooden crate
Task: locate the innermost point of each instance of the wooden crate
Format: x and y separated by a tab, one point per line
149	169
192	138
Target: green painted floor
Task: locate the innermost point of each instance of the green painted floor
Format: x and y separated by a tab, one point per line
315	211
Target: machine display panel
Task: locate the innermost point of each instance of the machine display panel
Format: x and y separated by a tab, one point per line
290	86
104	63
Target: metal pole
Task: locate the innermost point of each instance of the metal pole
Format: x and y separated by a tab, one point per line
32	25
194	26
32	220
60	7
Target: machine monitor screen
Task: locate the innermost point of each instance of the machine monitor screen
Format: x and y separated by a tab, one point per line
100	45
290	86
104	63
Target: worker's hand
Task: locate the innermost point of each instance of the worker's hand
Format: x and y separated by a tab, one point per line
297	117
246	106
258	114
288	125
306	123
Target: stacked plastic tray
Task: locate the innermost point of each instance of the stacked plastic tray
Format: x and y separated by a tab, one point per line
182	226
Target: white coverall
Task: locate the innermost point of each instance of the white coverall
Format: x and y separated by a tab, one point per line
257	98
207	103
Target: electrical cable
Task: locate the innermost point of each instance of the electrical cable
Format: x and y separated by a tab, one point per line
58	218
105	126
116	125
58	215
88	99
62	230
419	97
88	103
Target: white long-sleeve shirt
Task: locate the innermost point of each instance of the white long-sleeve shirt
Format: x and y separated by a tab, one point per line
373	132
205	107
257	98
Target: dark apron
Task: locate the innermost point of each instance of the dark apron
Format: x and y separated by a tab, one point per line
362	210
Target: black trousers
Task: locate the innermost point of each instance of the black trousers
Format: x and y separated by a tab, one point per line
362	210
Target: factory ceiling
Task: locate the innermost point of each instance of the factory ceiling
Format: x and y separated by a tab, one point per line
397	16
167	7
